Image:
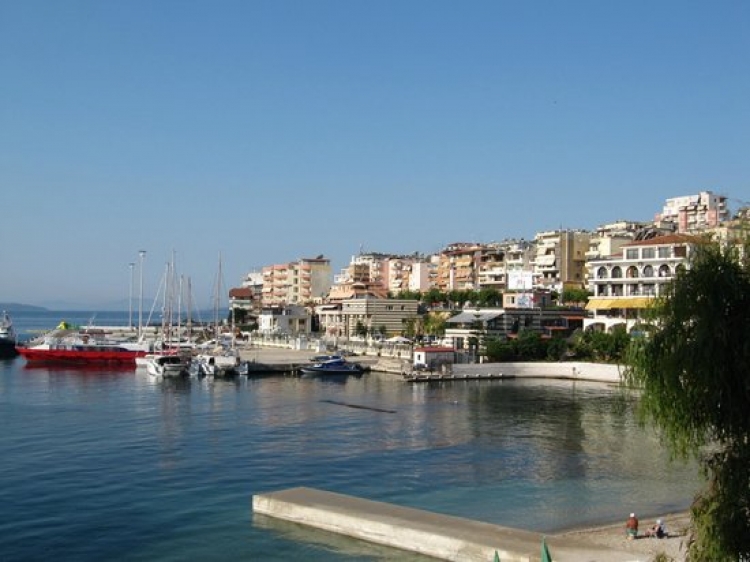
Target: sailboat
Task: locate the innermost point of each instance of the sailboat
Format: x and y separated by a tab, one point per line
221	359
170	362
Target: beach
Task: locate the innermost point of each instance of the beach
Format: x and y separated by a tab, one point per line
613	536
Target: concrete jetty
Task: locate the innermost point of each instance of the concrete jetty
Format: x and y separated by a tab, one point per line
432	534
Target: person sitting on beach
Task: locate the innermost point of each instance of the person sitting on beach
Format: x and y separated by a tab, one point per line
631	526
658	530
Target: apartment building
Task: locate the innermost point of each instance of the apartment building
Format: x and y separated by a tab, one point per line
458	267
499	261
302	282
694	213
378	275
560	259
624	285
608	239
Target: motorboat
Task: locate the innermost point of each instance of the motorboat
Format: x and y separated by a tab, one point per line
219	362
167	365
71	346
338	366
7	337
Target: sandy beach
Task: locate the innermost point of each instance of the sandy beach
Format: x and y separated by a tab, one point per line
644	548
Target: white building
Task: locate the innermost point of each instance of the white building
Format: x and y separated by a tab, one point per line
624	285
694	213
290	320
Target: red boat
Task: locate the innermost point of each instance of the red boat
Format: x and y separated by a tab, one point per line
68	347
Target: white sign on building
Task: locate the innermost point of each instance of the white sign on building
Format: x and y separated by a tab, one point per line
520	280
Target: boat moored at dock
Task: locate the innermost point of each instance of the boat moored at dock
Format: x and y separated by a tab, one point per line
337	367
7	337
70	346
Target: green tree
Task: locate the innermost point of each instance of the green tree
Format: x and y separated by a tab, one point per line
693	373
530	346
360	329
434	324
574	296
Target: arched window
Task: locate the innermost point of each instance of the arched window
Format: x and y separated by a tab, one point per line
648	271
601	273
616	272
632	272
664	271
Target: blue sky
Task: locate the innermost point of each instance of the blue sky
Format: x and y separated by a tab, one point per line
266	131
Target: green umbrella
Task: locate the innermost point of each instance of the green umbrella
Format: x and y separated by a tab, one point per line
497	557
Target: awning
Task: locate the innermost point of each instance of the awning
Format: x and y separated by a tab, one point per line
622	302
599	304
633	302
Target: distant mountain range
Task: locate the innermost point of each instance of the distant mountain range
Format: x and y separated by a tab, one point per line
14	306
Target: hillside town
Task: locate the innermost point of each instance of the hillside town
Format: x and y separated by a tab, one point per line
561	281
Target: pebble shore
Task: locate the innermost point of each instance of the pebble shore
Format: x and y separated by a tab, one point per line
643	548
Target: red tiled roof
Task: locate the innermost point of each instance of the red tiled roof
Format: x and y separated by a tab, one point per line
667	239
241	293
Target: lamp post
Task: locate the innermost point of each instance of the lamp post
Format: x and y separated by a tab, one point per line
131	265
141	255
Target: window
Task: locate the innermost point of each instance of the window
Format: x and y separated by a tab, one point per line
680	251
664	252
648	253
632	254
664	271
632	272
616	272
648	271
601	273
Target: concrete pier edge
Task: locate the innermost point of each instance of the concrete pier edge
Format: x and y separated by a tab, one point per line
441	536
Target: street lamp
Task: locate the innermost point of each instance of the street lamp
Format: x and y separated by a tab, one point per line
131	265
141	254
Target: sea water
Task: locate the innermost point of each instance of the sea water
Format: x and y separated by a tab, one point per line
117	465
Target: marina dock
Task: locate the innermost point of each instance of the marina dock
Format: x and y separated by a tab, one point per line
441	536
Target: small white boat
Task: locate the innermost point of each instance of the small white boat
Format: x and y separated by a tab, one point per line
216	363
170	365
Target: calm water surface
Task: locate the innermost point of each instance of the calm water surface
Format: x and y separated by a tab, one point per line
119	466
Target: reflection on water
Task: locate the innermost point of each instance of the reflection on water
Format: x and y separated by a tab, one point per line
172	463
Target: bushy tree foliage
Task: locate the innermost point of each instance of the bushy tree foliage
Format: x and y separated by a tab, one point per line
600	346
693	372
575	296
